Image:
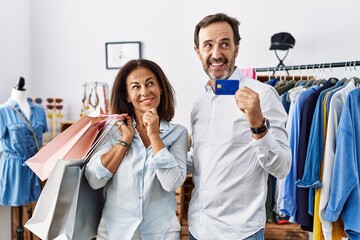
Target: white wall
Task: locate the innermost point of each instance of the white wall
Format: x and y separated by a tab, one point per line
68	40
15	46
15	61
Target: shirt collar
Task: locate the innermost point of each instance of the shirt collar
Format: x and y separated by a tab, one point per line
16	105
164	125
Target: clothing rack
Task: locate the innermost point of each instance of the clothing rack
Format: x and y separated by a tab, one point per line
310	66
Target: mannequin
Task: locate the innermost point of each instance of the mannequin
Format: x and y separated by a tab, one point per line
22	124
18	94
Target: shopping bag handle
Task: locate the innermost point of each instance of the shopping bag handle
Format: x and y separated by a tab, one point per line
110	123
106	119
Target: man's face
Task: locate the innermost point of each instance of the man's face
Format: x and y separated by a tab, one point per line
217	50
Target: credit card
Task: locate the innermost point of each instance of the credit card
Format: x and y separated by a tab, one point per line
226	87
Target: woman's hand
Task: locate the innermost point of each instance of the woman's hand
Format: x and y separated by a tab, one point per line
151	122
126	129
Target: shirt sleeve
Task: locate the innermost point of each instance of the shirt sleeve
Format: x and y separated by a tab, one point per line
345	180
163	159
170	163
2	132
45	129
95	172
273	150
189	162
2	126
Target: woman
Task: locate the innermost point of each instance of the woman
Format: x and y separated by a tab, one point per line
142	165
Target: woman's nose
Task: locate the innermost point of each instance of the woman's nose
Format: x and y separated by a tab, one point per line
144	91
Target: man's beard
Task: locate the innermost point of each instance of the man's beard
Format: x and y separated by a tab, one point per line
223	74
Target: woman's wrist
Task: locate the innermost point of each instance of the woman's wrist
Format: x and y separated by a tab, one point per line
154	137
123	143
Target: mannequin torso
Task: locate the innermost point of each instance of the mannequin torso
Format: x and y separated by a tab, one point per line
20	97
20	139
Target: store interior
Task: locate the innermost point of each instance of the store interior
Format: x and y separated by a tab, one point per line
63	52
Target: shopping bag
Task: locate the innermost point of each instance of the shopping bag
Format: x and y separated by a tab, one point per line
73	143
65	192
68	208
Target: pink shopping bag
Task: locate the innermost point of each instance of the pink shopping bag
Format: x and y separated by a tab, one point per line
73	143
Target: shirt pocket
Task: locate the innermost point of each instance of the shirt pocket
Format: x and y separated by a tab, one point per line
17	133
39	128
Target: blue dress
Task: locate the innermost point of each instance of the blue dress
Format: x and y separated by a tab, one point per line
18	183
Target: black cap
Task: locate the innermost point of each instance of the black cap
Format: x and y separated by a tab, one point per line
282	41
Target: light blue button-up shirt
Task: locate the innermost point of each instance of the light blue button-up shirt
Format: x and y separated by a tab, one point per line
345	182
141	194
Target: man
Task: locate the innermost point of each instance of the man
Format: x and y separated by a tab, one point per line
233	146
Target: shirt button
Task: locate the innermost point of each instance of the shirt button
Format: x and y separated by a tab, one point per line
140	197
140	173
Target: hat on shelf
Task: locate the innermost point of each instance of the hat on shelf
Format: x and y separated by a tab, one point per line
282	41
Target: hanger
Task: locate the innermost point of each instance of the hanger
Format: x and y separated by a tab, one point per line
301	77
322	71
307	73
293	73
322	78
356	79
352	76
345	78
313	67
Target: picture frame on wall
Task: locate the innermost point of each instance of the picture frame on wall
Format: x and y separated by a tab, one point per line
118	53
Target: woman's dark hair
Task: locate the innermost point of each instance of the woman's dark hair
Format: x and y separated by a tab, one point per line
219	17
118	100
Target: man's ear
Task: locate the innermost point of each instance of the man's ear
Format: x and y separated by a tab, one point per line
237	47
197	52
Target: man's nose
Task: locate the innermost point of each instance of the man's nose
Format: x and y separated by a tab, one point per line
216	52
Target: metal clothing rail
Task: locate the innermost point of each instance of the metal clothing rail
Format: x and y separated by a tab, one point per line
310	66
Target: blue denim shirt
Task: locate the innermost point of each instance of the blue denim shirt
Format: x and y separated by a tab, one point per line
141	194
345	188
18	184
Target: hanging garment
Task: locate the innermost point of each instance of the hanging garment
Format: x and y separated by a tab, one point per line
18	184
302	194
288	204
345	188
249	72
315	149
336	104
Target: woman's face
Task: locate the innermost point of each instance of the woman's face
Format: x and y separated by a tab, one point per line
143	90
